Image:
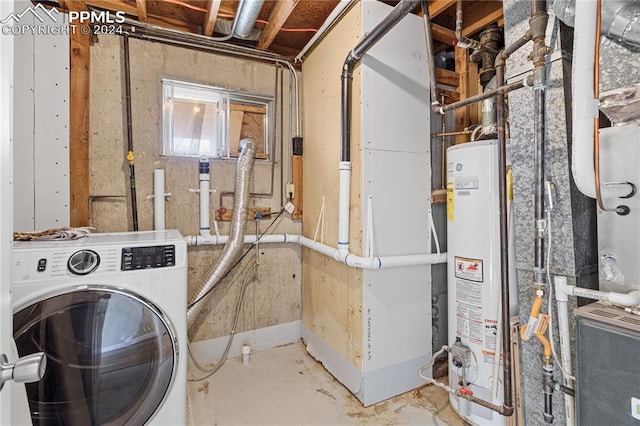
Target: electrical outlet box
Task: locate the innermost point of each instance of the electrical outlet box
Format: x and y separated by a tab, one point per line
290	190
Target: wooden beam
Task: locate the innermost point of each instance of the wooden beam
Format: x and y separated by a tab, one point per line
278	16
442	34
115	5
131	9
213	6
79	123
449	96
247	108
479	15
141	5
436	7
446	77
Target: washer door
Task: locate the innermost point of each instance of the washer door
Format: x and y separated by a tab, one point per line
110	357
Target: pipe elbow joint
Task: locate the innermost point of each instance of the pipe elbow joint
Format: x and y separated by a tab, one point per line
507	410
349	63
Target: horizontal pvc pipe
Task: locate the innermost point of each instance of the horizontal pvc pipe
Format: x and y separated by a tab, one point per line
347	258
622	299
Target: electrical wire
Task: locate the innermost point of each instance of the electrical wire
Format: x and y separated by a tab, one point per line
225	354
192	304
549	302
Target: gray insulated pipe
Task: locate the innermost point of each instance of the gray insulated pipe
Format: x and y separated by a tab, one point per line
233	248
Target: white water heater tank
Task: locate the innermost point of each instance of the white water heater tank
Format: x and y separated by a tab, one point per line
474	296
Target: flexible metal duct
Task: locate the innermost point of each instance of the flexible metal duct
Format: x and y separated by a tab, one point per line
620	18
246	17
233	248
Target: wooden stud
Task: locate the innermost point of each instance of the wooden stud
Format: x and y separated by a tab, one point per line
141	5
296	171
79	124
213	6
278	16
446	77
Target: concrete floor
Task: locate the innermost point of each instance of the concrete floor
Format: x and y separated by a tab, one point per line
285	386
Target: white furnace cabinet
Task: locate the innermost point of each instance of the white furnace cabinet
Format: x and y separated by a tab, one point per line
396	190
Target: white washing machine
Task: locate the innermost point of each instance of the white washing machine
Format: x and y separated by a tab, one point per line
109	310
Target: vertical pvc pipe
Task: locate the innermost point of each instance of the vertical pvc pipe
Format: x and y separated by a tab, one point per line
565	348
205	179
158	199
343	206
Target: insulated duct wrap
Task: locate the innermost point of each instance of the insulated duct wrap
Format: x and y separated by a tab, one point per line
233	248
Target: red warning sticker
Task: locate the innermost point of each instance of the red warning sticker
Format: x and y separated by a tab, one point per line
469	269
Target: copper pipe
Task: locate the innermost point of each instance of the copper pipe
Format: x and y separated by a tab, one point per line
462	132
596	120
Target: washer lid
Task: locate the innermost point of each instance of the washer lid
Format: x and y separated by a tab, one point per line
110	357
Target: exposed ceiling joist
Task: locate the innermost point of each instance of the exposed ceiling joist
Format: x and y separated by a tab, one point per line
436	7
142	10
213	6
128	8
75	5
131	9
442	34
479	15
279	15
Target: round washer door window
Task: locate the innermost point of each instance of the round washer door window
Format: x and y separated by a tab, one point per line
110	357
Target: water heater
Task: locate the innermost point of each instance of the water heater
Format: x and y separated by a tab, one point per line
473	246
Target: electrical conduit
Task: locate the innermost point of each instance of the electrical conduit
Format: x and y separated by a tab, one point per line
233	247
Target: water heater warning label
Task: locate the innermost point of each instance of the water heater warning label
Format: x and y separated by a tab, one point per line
469	269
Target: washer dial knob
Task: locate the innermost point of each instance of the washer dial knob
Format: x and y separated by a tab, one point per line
83	262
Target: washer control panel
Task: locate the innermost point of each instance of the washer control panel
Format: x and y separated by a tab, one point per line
135	258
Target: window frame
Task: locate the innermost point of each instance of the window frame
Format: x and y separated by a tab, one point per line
229	97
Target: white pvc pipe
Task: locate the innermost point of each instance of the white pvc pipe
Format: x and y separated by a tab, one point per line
158	200
205	182
565	347
585	106
348	259
333	16
622	299
344	207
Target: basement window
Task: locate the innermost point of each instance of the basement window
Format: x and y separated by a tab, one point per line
207	121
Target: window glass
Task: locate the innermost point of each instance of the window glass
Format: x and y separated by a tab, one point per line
206	121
